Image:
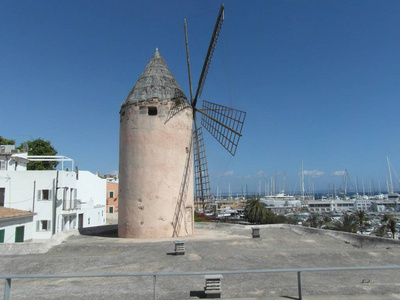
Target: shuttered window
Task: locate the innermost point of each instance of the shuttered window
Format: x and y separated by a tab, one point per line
43	225
45	195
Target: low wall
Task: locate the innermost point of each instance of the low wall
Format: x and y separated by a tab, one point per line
355	239
98	229
112	216
56	239
36	247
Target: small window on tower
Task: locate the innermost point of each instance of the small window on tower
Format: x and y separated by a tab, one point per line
152	111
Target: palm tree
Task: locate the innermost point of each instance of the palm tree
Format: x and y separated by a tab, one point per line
313	221
361	217
350	223
326	220
389	224
255	211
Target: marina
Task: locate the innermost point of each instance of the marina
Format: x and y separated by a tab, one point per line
309	211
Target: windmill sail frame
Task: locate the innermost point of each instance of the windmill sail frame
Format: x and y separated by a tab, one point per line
202	179
223	123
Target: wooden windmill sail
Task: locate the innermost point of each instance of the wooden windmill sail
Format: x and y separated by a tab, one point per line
223	123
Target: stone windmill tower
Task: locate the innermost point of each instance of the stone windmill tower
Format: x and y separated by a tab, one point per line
155	159
158	146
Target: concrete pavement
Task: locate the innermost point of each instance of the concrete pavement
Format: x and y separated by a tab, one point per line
213	247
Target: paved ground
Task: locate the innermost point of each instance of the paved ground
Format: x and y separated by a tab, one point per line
214	247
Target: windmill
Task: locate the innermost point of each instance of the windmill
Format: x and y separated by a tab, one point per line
223	123
156	143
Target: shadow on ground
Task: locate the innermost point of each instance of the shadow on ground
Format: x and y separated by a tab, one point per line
110	231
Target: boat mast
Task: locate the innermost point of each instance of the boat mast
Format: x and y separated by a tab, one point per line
362	181
284	183
390	175
356	188
379	184
302	181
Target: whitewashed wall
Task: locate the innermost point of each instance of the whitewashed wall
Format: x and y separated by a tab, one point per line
9	226
38	191
92	192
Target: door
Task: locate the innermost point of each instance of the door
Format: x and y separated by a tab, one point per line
2	236
2	193
19	234
80	221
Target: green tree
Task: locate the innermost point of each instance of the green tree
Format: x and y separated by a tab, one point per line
350	223
361	217
40	147
4	141
290	220
255	211
389	224
326	219
271	218
313	221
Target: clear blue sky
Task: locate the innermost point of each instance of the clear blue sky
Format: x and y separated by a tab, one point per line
319	81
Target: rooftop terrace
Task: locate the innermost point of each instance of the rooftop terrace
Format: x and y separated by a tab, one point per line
214	247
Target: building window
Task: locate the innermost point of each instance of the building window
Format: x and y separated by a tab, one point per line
111	209
2	235
152	111
111	194
43	225
44	195
3	164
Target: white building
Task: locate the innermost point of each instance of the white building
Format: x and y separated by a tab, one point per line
332	205
15	225
365	204
59	199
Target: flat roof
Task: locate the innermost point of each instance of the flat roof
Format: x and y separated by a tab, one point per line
213	247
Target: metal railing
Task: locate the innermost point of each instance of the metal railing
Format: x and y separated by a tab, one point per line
7	288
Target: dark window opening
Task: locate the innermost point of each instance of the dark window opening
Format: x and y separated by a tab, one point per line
2	196
152	111
45	194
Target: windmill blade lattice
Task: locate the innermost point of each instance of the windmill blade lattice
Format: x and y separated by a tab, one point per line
202	178
225	124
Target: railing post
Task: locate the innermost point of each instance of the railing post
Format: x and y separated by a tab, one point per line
299	285
154	281
7	289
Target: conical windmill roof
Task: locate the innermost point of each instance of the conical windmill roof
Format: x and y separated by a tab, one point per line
156	81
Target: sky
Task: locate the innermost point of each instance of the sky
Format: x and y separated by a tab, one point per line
319	81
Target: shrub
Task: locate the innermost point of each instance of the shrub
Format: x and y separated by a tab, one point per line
200	217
